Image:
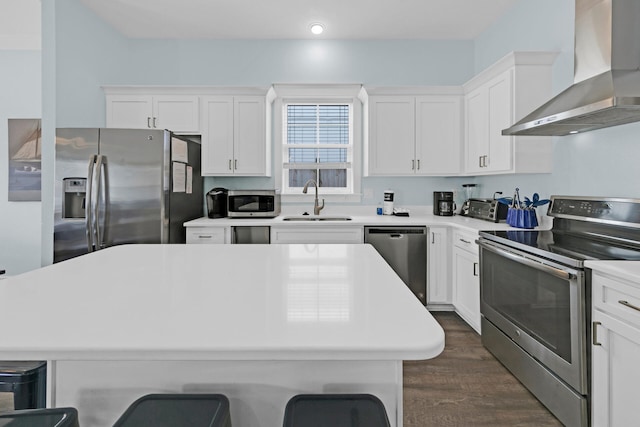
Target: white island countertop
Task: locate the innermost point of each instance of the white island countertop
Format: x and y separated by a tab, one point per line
217	302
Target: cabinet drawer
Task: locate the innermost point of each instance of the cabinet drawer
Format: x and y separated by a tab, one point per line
617	297
299	234
207	235
465	240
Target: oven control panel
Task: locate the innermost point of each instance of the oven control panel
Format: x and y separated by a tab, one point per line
607	209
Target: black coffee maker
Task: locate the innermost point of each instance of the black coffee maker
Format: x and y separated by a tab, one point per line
443	204
217	202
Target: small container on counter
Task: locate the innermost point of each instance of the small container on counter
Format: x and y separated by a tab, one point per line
388	202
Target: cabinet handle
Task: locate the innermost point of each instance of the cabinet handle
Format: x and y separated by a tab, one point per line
484	162
465	241
628	304
149	122
433	238
235	164
594	333
413	165
479	161
154	122
418	164
230	164
205	236
475	268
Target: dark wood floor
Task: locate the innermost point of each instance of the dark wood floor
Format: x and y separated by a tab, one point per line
467	386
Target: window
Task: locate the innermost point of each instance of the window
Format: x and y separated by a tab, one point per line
318	129
318	145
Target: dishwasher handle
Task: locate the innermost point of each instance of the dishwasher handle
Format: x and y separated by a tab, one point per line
396	231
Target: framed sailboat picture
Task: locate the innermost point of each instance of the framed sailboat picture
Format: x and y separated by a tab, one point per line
25	160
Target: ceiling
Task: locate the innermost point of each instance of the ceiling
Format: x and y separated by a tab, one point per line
291	19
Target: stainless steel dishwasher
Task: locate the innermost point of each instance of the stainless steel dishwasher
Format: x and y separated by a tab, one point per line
405	250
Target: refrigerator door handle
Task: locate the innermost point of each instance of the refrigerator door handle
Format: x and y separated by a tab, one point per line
89	205
101	192
102	228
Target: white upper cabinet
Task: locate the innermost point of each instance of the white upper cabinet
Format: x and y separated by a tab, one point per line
142	108
410	134
234	136
494	100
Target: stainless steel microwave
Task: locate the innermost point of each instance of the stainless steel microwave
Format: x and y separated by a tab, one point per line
253	203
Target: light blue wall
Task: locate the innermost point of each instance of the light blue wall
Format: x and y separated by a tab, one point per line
90	54
597	163
20	97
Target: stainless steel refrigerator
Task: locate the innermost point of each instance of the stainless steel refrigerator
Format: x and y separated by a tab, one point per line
120	186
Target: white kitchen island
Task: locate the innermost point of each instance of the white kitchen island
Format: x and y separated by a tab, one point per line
258	323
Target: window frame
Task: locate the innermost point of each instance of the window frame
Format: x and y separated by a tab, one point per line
314	95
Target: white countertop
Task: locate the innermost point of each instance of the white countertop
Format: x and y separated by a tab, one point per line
217	302
361	216
628	270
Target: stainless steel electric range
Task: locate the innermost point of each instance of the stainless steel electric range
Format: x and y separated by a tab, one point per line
536	296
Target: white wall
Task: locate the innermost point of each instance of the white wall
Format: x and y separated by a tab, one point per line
20	97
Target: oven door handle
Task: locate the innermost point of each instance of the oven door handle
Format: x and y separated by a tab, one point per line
529	262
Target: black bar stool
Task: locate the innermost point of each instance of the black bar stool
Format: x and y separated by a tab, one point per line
54	417
177	410
335	410
27	382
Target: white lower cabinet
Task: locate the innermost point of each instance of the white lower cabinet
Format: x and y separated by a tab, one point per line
317	234
438	288
615	352
208	235
465	270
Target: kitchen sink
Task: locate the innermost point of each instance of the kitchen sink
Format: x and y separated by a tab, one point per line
316	218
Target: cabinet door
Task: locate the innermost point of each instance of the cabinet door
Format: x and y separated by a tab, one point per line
616	376
217	135
438	135
466	286
207	235
392	135
438	288
477	129
500	97
129	111
176	113
249	130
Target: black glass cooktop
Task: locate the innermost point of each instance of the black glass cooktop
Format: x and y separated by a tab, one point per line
564	246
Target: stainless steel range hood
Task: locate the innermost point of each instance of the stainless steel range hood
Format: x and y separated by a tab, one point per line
606	89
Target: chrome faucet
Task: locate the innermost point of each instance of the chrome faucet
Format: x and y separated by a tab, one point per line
316	206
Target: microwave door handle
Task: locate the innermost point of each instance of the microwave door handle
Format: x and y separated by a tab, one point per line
89	205
529	262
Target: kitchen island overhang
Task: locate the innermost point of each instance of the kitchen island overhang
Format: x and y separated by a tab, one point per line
225	318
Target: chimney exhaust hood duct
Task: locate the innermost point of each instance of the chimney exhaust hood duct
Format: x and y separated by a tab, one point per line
606	89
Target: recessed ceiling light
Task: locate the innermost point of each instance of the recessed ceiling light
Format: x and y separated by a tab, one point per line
317	28
573	131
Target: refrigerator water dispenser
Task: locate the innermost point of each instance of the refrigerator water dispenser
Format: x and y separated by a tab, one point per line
75	191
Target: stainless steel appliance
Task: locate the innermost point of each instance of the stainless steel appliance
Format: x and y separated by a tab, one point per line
443	204
118	186
405	250
253	234
487	209
536	296
217	202
253	203
606	89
